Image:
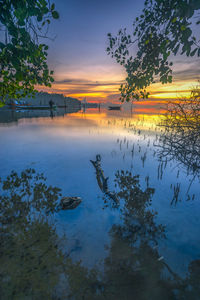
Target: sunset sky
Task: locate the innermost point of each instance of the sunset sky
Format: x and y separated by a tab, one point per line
78	55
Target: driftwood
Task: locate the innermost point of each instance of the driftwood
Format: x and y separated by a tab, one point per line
102	180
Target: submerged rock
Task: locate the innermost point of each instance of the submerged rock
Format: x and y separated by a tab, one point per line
70	202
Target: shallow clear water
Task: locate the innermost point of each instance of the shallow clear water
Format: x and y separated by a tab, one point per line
61	148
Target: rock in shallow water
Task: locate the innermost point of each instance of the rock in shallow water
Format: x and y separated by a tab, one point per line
70	202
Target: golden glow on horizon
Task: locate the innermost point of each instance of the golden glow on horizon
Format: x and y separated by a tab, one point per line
92	95
171	95
95	91
174	90
149	110
117	122
91	115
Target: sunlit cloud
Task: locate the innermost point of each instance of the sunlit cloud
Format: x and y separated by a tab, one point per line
81	88
99	84
177	89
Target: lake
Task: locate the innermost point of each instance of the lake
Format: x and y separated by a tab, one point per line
135	235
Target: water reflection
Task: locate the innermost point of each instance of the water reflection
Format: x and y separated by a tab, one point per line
134	268
13	116
149	244
103	183
35	263
30	260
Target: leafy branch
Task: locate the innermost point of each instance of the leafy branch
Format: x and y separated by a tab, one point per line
23	58
163	29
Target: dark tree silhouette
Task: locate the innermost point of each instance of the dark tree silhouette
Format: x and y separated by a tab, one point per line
23	58
163	28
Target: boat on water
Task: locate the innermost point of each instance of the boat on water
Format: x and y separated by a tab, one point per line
114	107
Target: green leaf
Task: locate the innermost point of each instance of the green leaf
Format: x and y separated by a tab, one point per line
55	14
39	18
19	76
183	27
21	22
176	49
193	52
170	79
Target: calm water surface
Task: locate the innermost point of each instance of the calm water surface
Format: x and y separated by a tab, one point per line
137	255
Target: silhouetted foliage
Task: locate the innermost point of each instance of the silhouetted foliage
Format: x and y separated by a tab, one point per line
30	259
23	58
134	268
137	217
163	28
33	266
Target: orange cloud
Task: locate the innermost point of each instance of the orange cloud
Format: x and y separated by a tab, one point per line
108	90
174	90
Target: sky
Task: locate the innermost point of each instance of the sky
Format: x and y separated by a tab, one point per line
77	53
